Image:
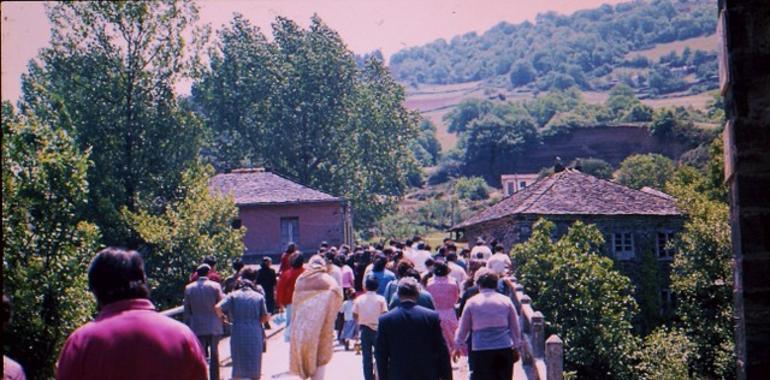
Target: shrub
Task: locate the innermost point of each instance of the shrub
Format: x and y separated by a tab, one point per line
472	188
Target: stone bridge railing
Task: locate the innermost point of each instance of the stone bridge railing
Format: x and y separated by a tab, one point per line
544	358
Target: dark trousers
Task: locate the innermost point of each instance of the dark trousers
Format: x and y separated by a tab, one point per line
210	347
368	341
492	364
270	301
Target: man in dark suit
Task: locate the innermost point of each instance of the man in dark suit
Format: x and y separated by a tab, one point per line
409	340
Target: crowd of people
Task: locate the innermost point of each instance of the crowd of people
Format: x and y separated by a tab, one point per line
410	311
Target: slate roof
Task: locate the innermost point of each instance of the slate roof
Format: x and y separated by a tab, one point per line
571	192
258	187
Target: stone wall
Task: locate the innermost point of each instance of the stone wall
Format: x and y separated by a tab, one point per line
747	168
610	143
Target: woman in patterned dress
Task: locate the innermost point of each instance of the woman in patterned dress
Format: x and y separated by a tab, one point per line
247	311
445	294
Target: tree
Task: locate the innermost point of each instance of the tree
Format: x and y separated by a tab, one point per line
587	302
663	123
638	113
594	166
310	113
665	355
640	170
473	188
426	149
46	243
621	100
702	276
493	143
196	225
522	73
108	79
464	113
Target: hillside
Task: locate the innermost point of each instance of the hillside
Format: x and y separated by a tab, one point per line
581	49
665	51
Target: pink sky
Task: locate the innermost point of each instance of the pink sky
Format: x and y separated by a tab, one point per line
365	25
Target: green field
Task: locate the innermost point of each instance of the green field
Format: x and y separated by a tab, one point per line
707	43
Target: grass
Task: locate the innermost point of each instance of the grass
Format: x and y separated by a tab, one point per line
707	43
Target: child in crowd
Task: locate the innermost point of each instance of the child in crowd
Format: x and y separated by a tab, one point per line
349	327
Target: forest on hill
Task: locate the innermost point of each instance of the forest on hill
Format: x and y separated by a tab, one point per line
582	49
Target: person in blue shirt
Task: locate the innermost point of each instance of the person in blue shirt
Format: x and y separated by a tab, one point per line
383	276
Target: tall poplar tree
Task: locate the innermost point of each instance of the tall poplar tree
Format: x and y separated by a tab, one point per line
107	78
302	107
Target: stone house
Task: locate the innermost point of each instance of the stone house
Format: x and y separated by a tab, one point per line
276	211
634	223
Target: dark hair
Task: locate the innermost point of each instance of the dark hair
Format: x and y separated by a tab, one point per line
329	256
296	260
488	280
237	264
440	269
210	260
250	272
408	288
499	248
479	255
446	239
402	267
408	242
246	283
371	283
203	271
339	260
117	274
430	262
266	261
413	273
451	256
291	248
379	263
451	247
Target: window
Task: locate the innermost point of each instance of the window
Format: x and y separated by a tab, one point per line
623	245
289	231
510	188
664	253
667	301
522	185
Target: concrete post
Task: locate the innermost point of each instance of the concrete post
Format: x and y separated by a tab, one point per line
554	358
538	335
525	300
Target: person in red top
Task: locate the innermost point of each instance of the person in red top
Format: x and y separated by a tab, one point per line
128	339
213	275
286	258
285	288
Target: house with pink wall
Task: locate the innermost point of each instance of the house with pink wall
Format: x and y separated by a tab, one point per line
276	211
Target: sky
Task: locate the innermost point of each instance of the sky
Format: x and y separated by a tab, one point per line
365	25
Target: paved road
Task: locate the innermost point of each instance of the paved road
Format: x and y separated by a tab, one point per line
345	365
